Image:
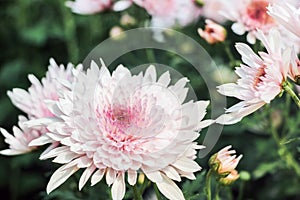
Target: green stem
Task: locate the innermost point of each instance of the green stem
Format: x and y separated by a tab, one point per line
241	190
284	152
287	87
208	184
157	193
217	192
229	54
70	33
136	194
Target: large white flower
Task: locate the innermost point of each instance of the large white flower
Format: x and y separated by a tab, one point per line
123	123
261	77
33	103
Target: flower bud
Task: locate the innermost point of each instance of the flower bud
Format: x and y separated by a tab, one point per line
213	32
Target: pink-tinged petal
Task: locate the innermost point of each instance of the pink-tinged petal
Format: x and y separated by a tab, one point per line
187	165
118	188
169	189
65	157
54	152
97	176
132	177
229	89
86	175
60	176
44	139
111	176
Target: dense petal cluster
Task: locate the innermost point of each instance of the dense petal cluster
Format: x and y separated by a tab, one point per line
261	77
119	124
34	104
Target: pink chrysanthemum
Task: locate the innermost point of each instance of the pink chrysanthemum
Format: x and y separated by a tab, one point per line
248	16
261	77
33	103
168	13
287	15
113	125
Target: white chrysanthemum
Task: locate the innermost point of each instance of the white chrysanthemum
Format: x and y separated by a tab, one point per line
121	124
33	103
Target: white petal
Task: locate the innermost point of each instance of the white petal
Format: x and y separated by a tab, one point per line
186	165
172	173
238	28
59	177
118	188
110	176
44	139
85	176
121	5
164	79
97	176
154	176
169	189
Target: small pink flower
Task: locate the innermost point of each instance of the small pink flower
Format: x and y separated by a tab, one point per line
89	6
213	32
227	160
116	125
34	103
261	77
248	16
19	141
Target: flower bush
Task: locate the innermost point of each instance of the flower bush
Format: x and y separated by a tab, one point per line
136	113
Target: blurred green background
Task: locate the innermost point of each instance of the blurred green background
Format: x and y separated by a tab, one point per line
33	31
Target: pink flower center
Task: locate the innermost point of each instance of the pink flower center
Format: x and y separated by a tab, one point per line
257	14
260	73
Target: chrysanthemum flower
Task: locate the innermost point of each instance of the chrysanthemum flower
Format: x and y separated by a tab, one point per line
213	32
261	77
287	15
121	124
33	103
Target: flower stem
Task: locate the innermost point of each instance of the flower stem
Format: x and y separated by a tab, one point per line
136	194
157	193
284	152
208	184
287	87
233	62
